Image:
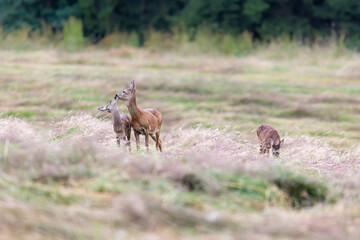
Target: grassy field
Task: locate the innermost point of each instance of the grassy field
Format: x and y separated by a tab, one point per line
62	176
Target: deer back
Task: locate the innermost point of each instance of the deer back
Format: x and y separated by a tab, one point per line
266	133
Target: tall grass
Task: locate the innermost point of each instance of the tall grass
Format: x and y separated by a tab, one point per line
18	39
203	40
180	39
73	34
117	39
71	38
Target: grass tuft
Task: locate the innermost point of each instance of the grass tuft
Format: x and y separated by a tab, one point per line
72	130
302	191
73	35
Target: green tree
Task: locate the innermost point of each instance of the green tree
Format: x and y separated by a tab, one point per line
263	19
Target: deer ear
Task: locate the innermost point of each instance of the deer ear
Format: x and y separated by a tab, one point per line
271	141
132	85
102	108
282	142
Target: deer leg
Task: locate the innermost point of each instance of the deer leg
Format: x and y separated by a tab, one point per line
128	134
262	148
268	147
267	151
137	138
128	143
147	140
263	151
123	138
158	142
118	139
153	137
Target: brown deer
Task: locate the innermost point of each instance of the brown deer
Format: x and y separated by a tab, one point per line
269	138
144	121
121	123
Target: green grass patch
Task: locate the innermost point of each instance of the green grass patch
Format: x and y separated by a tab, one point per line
215	99
220	190
104	185
81	94
256	101
116	183
347	118
181	100
20	113
302	191
160	66
295	113
285	88
233	191
284	189
70	131
36	193
323	133
254	189
206	87
280	69
351	89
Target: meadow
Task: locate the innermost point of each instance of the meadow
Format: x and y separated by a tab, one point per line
63	177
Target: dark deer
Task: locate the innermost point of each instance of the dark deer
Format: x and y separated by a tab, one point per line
144	121
121	123
269	138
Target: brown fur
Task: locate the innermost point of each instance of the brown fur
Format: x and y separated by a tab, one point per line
269	138
144	121
121	123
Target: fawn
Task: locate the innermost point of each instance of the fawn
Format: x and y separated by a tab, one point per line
143	121
269	138
121	123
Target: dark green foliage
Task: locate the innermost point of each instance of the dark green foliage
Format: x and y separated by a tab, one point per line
264	19
192	182
15	14
302	191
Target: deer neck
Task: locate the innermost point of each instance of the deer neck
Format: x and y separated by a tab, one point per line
116	119
134	111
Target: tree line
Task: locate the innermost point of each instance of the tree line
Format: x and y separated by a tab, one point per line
304	20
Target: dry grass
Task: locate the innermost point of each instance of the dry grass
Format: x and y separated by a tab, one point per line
62	176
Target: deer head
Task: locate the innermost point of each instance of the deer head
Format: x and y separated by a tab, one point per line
276	147
111	106
128	93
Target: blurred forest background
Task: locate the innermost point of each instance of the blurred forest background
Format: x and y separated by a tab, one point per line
228	26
